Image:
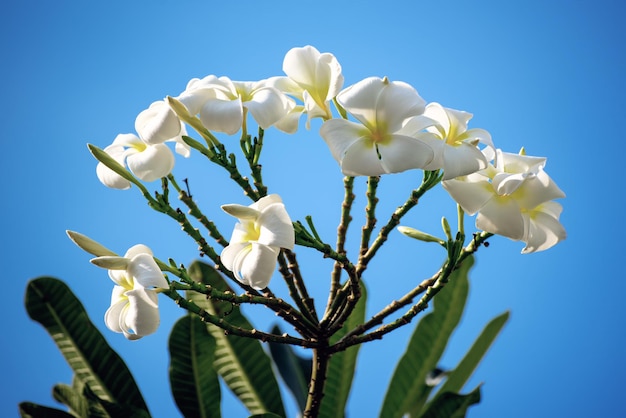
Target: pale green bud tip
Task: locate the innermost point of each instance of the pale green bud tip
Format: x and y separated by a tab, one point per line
178	108
240	212
419	235
111	262
522	151
110	162
87	244
446	227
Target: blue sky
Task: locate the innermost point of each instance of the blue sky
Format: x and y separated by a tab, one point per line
548	76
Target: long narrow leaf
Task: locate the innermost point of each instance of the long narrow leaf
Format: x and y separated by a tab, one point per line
194	382
463	371
51	303
78	404
294	369
342	365
242	362
452	405
407	390
33	410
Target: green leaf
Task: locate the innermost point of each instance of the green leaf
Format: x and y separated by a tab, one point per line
78	404
452	405
294	369
265	415
407	391
51	303
32	410
242	363
342	365
112	409
463	371
194	382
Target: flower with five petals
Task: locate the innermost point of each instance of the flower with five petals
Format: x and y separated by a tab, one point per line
263	229
513	199
222	104
134	307
314	78
379	144
454	145
147	162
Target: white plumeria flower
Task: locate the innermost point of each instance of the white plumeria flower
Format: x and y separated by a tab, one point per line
147	162
134	307
159	124
313	77
263	229
454	145
379	144
221	102
513	199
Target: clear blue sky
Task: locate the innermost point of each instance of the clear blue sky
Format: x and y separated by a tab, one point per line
545	75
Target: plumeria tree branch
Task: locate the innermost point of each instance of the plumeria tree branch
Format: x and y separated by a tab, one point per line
431	178
194	211
429	287
295	291
342	230
251	148
370	213
234	330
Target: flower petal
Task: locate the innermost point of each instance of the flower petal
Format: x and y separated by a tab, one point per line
230	253
157	124
377	102
340	134
142	314
502	216
146	272
222	115
462	160
471	195
113	314
154	162
268	106
276	228
259	265
404	153
300	65
544	229
361	159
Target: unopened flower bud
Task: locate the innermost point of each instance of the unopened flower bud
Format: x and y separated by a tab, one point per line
87	244
446	228
419	235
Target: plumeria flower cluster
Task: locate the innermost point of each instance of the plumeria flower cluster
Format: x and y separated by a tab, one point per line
381	127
